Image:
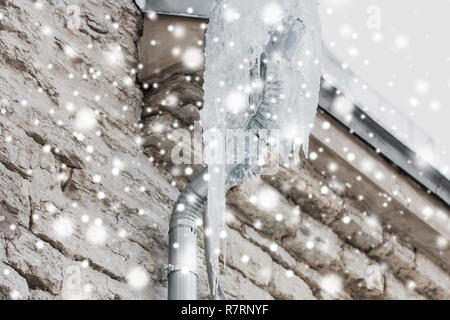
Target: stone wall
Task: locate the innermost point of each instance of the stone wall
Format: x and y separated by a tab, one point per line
84	205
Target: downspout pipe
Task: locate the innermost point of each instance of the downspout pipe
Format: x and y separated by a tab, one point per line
183	228
183	232
189	209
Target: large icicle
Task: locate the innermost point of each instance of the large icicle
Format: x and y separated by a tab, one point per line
287	34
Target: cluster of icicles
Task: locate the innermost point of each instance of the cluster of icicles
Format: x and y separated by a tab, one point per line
285	37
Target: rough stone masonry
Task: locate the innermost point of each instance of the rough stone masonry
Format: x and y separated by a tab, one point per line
85	214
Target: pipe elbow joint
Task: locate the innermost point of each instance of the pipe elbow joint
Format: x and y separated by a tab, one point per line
188	209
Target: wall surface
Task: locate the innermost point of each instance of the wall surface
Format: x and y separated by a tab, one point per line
84	205
82	212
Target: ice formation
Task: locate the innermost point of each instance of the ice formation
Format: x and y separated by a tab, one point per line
283	38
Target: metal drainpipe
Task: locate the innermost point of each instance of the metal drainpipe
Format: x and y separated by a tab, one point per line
184	221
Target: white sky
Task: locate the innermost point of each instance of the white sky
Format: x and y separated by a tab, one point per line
407	60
